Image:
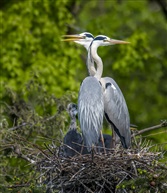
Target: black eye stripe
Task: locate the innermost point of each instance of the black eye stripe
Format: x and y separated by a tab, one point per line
100	38
89	35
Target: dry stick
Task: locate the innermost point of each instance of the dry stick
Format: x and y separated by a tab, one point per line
134	167
155	134
163	124
19	126
30	124
18	152
72	149
101	186
48	148
19	185
34	145
76	174
88	189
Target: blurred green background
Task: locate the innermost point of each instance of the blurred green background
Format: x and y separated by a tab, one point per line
31	46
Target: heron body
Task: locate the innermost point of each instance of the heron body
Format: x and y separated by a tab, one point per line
107	140
90	110
116	111
72	142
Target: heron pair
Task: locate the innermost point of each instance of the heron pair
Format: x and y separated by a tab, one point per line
100	96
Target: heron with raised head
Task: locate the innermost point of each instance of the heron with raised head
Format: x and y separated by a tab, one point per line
91	108
115	108
72	141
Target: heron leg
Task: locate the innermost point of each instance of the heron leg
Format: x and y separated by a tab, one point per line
113	142
94	149
102	139
82	147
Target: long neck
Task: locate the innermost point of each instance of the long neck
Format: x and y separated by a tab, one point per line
73	124
95	58
90	64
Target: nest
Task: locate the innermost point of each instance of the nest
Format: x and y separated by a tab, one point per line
117	171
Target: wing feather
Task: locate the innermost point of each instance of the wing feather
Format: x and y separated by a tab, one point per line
90	110
116	110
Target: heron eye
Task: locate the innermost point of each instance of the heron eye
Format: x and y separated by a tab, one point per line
73	106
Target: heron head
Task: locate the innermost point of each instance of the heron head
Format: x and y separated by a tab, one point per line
84	39
102	40
72	109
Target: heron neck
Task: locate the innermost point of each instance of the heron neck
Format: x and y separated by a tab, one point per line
90	64
96	58
73	124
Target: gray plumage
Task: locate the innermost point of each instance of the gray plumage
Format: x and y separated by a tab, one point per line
116	111
72	140
115	108
72	111
90	110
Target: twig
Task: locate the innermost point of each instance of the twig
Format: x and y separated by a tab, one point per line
76	174
48	148
36	146
30	124
19	185
88	189
72	149
163	124
18	127
18	152
155	134
134	167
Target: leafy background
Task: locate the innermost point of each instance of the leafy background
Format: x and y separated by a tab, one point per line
40	74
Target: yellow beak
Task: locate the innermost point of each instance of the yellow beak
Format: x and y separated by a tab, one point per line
72	37
113	41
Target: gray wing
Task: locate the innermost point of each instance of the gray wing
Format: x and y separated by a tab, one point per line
116	111
90	110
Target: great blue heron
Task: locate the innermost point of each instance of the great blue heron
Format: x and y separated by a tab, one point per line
115	108
116	111
90	109
73	141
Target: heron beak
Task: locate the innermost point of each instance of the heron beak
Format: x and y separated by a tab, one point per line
113	41
75	112
75	37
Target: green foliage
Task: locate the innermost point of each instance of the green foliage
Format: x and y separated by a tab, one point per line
29	119
32	42
37	68
146	182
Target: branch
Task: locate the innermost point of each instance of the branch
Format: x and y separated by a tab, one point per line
18	152
17	127
163	124
30	124
18	185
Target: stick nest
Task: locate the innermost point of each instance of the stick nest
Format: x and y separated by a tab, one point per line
118	171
